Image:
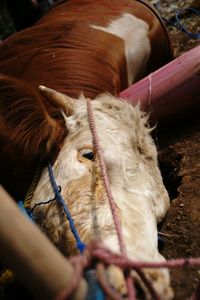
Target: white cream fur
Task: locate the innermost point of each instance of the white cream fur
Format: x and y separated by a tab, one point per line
135	179
134	32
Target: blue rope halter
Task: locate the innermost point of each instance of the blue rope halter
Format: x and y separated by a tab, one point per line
57	191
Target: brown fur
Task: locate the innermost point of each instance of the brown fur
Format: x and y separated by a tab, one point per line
56	51
62	52
31	129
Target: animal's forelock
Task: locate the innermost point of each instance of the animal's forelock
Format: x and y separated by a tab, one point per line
117	109
122	111
130	119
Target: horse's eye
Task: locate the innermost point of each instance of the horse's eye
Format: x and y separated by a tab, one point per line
89	155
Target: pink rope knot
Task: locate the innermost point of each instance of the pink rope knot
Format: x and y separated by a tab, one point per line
97	257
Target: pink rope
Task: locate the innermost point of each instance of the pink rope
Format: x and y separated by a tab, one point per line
148	285
131	287
108	257
106	182
103	281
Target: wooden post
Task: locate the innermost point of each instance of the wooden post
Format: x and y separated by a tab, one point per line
170	91
33	258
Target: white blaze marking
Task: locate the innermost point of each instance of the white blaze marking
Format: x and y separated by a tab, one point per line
134	32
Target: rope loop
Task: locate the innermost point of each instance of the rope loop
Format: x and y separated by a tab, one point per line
179	24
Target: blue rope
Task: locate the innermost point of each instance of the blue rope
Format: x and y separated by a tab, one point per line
178	14
178	24
80	245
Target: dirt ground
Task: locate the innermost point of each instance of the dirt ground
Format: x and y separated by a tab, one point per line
179	158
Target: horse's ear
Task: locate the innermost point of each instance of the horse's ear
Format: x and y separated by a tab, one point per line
26	120
58	99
